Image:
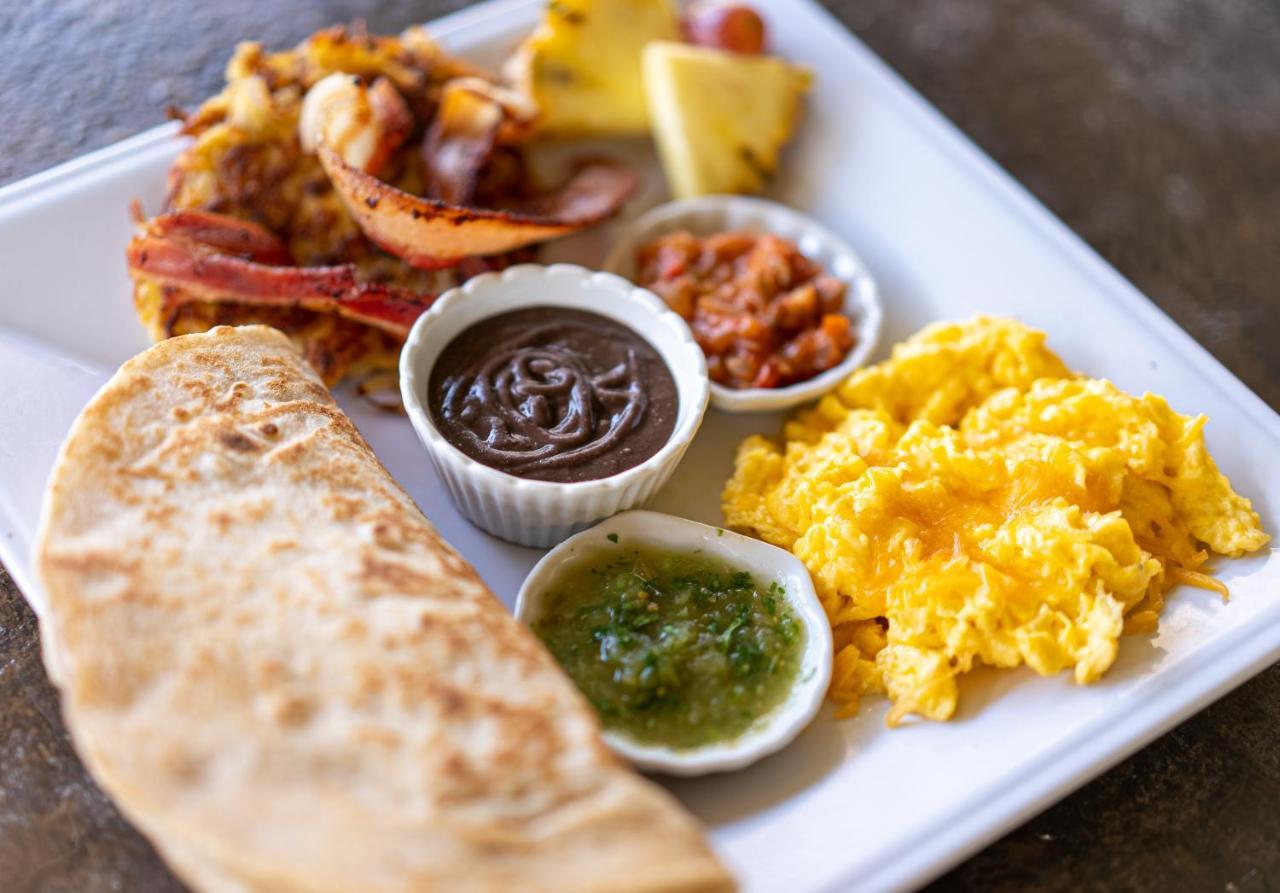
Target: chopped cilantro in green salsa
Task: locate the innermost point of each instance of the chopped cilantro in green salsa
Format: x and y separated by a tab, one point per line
673	649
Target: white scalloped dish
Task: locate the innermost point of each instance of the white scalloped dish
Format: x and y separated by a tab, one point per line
734	213
542	513
767	564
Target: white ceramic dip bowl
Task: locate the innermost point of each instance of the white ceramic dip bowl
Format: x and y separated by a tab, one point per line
542	513
713	214
768	564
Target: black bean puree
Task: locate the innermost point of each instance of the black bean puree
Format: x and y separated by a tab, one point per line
553	394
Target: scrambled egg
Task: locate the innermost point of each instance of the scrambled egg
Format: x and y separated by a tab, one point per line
971	500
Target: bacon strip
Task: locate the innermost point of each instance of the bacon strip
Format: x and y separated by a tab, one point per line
473	118
432	234
457	146
167	252
230	235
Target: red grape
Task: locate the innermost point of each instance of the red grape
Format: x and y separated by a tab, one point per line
727	26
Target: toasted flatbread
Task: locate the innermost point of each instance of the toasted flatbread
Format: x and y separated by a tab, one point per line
282	673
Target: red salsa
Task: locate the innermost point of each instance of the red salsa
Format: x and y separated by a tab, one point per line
765	315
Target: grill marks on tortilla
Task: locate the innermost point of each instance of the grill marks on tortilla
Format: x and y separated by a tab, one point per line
237	441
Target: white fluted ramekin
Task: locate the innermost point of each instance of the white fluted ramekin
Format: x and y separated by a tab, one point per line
543	513
712	214
768	564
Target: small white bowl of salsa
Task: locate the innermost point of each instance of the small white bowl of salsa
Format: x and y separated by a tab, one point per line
701	650
707	291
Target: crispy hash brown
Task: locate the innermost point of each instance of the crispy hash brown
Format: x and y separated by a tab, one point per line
247	162
972	501
418	129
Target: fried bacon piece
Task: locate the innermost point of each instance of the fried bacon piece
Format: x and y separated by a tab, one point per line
431	234
474	118
477	199
214	258
218	232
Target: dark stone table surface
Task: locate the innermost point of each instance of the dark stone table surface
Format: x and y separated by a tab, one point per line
1152	127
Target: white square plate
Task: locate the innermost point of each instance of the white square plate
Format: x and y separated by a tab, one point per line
948	235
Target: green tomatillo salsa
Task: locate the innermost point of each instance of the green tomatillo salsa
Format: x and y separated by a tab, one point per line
676	649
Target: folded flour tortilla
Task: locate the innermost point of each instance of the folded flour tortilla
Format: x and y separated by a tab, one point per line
283	675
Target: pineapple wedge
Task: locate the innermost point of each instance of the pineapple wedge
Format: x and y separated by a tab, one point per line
581	65
720	118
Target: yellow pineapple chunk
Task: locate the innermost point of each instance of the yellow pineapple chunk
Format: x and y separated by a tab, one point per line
581	65
720	118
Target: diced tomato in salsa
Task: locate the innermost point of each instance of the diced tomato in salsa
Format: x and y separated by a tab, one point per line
764	314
